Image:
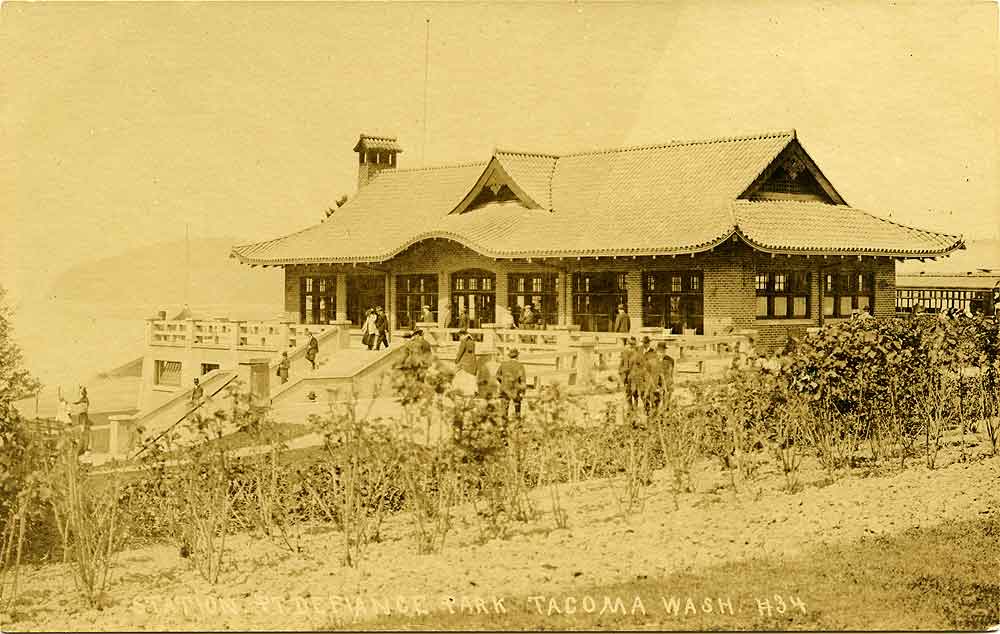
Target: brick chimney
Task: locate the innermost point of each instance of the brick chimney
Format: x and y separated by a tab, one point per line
375	153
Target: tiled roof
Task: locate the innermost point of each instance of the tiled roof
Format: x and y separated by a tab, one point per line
679	197
808	226
376	142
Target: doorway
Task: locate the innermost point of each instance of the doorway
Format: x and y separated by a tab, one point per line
364	292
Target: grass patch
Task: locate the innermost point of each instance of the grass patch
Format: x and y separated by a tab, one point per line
940	578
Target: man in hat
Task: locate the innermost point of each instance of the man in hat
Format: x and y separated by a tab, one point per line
81	408
664	380
627	366
198	392
418	345
528	317
513	382
426	316
382	328
622	322
312	349
486	383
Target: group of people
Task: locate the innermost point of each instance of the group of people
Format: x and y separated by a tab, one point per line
285	365
488	380
375	329
647	373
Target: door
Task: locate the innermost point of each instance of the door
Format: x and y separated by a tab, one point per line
364	292
473	291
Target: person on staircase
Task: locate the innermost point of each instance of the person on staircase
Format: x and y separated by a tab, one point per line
197	393
312	349
382	327
284	366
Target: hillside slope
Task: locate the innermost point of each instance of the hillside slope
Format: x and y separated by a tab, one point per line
156	275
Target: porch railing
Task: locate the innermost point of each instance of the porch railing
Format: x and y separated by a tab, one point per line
263	336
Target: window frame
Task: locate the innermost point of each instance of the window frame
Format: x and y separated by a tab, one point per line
782	284
547	296
852	284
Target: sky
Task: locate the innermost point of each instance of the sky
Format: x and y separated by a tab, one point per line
124	123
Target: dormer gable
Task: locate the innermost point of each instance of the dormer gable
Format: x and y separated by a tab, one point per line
793	175
495	185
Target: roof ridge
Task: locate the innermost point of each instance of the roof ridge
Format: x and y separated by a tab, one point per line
433	167
519	153
679	143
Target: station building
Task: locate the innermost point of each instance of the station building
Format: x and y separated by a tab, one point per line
697	237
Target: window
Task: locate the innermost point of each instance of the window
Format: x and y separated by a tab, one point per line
596	296
933	300
783	295
167	373
538	289
472	291
845	293
317	300
208	367
413	292
673	299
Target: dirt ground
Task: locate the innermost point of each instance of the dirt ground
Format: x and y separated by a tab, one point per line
265	586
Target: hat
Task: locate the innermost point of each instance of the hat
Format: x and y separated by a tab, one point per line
621	306
645	339
417	332
513	353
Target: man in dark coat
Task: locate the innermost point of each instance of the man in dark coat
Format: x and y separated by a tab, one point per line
627	371
665	384
197	393
382	328
418	346
83	419
623	323
528	318
312	349
513	382
463	320
284	366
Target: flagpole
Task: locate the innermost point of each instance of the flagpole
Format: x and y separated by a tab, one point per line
427	46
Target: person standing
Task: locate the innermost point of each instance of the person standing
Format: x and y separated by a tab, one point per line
623	323
284	366
486	379
382	328
312	349
463	320
426	316
368	329
197	393
513	383
465	364
626	370
665	384
82	407
528	318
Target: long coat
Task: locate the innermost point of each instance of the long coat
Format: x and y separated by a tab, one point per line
466	357
512	379
312	348
623	323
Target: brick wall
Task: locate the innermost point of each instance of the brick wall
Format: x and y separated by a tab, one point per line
728	271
